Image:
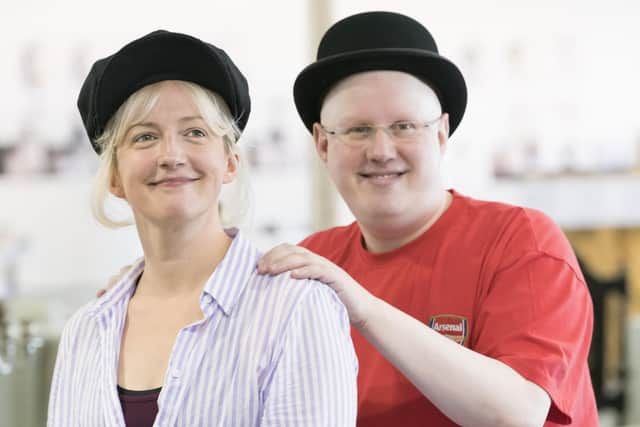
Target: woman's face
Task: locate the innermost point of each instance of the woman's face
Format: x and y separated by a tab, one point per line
170	167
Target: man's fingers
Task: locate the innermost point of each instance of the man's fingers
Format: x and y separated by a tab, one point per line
276	260
316	271
307	272
286	262
280	251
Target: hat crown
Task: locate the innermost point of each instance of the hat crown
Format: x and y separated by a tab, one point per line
373	41
157	56
375	30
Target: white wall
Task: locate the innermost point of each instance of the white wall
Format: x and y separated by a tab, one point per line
588	97
65	247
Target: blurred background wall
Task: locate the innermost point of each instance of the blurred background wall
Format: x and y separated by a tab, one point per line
552	123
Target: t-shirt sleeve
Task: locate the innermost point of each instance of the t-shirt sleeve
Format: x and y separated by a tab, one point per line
537	318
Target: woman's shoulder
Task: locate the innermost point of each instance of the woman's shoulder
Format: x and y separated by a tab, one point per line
289	295
80	322
284	287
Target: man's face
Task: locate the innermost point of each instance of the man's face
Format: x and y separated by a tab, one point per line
386	181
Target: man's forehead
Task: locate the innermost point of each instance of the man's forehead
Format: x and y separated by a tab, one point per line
407	87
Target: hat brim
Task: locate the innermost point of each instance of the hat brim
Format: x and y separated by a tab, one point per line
314	82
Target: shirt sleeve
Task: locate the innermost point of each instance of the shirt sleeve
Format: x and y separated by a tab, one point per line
314	381
58	410
537	318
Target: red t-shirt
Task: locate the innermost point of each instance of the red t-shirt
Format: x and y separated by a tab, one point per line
499	279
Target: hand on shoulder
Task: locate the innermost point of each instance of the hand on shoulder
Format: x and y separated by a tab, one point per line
304	264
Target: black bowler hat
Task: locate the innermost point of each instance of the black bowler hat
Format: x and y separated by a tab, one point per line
378	41
160	55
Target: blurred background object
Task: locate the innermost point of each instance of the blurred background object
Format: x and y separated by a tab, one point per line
552	124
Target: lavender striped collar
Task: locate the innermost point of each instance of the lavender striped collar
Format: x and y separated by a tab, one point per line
239	261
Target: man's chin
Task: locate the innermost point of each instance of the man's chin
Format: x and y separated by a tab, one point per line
380	210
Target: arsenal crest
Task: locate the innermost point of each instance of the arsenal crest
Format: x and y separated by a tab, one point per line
451	326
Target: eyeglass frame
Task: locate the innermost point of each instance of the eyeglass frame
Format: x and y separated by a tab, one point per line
342	133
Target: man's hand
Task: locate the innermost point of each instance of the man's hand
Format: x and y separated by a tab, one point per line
304	264
113	280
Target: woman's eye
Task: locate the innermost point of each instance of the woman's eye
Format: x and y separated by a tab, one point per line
144	137
195	133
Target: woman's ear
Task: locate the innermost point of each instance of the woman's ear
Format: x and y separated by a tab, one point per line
233	163
115	186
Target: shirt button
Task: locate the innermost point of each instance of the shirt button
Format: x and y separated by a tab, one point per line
208	299
176	373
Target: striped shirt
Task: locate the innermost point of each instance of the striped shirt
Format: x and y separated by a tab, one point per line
270	351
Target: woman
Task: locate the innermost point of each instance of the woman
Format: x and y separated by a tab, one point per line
192	335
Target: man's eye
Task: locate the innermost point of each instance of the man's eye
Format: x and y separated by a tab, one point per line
404	126
359	130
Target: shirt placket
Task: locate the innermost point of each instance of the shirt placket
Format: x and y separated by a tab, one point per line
187	353
109	341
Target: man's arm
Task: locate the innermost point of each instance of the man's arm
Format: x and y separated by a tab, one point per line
469	388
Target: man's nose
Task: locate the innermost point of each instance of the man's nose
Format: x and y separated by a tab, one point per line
381	146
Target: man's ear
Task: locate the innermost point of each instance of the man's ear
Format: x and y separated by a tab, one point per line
233	163
320	141
443	132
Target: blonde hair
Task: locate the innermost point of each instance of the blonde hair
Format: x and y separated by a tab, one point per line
215	113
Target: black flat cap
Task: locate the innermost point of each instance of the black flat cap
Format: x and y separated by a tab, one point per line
378	41
160	55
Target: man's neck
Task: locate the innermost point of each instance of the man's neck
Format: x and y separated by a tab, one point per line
389	236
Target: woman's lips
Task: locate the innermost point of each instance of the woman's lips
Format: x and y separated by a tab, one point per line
385	174
173	182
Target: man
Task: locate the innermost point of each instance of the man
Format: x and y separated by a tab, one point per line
463	311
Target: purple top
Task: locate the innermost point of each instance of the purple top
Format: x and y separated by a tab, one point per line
139	407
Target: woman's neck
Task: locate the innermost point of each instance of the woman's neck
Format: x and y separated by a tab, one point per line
179	259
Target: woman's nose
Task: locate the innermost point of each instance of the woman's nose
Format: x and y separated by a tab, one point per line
171	152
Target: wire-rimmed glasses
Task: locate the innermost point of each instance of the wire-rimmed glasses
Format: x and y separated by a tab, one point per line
401	131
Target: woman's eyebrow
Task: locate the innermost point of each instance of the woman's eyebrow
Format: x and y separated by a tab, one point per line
145	124
190	118
156	125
